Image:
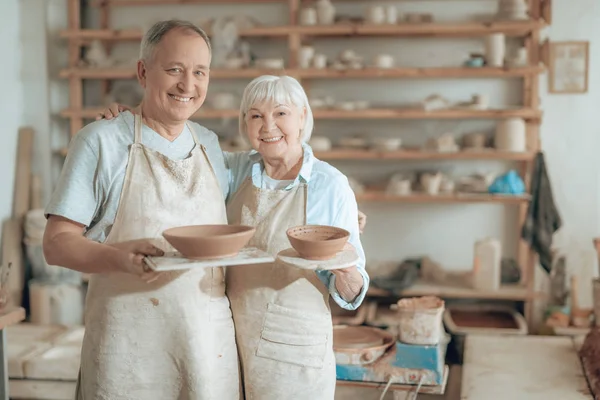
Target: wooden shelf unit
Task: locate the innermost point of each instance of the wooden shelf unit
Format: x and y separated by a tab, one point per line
77	113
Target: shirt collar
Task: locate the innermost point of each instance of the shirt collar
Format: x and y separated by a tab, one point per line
305	171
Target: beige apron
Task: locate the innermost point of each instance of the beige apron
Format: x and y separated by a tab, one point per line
282	316
172	338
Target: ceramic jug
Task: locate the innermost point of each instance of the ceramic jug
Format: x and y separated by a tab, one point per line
325	12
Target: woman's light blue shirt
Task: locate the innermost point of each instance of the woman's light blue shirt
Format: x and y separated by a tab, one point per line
330	201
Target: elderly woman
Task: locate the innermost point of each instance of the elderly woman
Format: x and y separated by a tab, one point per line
282	317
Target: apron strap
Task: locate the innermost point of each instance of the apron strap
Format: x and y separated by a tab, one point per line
137	128
189	126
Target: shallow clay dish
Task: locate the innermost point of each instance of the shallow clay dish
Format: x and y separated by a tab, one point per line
358	345
317	242
205	242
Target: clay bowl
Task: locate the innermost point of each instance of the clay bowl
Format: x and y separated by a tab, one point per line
205	242
317	242
360	345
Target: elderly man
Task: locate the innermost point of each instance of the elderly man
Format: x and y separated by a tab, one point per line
167	336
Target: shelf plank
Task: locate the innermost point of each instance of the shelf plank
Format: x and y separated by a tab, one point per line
456	29
121	3
367	73
416	154
510	28
417	113
506	292
137	34
422	198
400	113
130	73
435	72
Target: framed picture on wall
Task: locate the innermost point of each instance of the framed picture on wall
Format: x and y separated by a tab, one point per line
568	72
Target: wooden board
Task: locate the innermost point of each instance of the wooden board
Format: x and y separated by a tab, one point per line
344	259
11	316
23	172
12	253
44	352
498	367
41	390
174	261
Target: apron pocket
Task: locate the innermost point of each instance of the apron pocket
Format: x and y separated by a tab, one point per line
295	337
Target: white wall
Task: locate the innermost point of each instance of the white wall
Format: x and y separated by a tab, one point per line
570	139
569	134
11	100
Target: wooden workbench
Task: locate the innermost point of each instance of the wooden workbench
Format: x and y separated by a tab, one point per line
523	368
9	316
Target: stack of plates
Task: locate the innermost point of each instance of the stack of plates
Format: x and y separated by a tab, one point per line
512	10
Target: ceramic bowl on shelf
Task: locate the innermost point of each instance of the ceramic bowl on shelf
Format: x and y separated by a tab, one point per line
206	242
317	242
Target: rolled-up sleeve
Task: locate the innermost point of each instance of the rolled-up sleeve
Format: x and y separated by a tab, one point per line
345	215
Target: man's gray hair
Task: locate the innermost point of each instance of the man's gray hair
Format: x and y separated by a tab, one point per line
156	33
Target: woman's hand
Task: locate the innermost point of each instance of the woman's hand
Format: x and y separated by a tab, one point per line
131	258
112	111
348	282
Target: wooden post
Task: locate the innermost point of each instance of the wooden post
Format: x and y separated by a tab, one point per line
75	83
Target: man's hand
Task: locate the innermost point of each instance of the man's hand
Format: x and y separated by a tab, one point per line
131	258
362	221
112	111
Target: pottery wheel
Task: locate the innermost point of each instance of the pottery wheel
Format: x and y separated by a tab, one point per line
358	337
343	259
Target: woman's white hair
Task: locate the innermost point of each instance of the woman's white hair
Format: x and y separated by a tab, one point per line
280	90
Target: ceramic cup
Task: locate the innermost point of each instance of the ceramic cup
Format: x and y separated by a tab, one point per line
308	16
320	61
391	15
376	15
384	61
305	56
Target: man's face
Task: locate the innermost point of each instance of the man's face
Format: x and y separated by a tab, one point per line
176	78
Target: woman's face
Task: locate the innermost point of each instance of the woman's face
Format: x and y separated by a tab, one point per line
274	129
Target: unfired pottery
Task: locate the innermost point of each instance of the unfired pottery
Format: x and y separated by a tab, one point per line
474	140
308	16
270	63
384	61
320	143
305	56
376	15
391	14
317	242
399	185
495	49
511	135
353	142
96	55
443	144
325	12
431	182
204	242
386	144
320	61
420	320
360	345
435	102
